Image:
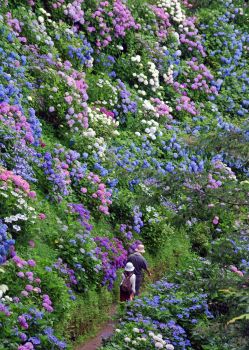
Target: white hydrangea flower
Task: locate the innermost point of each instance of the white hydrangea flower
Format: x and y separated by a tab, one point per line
7	298
169	347
136	330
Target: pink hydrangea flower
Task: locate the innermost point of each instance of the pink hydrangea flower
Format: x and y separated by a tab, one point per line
29	288
233	268
31	262
216	220
51	109
20	274
69	99
240	273
42	216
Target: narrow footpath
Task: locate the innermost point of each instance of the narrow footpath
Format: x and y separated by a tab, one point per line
105	331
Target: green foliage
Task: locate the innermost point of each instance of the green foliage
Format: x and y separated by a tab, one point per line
199	236
156	236
88	314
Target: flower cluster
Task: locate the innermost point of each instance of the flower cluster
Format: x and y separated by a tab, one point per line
13	117
6	243
84	215
159	320
73	11
119	17
29	297
190	37
126	230
16	193
57	173
66	271
185	104
102	194
150	80
113	257
125	104
102	126
174	8
152	128
7	177
163	22
138	222
162	109
81	54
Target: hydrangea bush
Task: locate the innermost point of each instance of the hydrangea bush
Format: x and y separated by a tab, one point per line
124	122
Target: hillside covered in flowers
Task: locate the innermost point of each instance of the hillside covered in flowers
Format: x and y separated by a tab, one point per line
121	122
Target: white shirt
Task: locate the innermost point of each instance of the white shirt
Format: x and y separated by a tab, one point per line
133	282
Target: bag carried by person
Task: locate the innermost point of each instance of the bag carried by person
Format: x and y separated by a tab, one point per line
126	285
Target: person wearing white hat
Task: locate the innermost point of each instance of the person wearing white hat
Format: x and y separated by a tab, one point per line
140	264
128	284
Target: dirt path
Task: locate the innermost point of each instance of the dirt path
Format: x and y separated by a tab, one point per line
105	331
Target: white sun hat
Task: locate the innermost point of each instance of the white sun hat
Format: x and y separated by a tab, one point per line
129	267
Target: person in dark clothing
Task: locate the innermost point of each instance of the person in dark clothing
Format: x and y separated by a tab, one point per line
140	264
